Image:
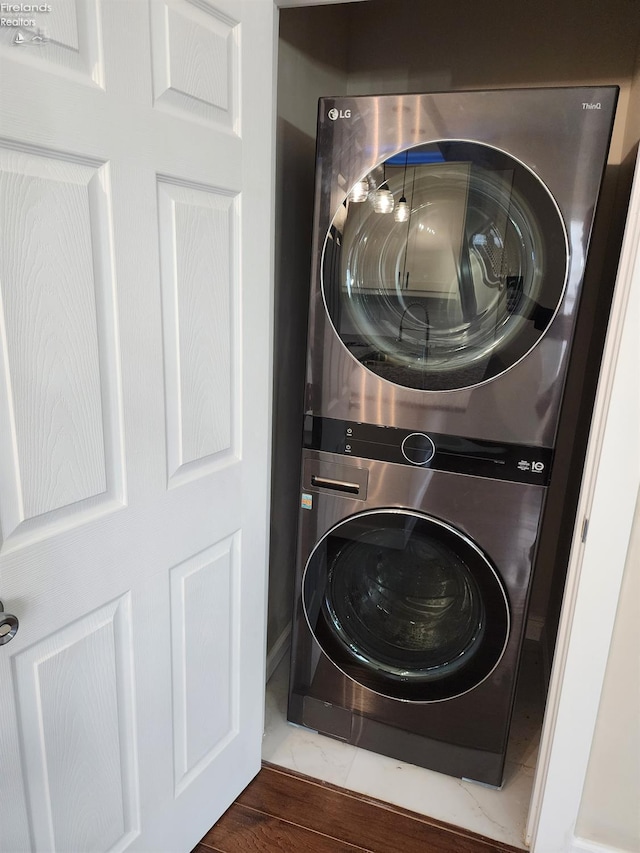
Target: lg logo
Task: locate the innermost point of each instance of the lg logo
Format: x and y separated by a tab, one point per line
335	114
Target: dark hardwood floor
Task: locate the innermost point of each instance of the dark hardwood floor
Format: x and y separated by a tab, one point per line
284	812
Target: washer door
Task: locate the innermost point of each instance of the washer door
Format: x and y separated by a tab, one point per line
445	265
406	605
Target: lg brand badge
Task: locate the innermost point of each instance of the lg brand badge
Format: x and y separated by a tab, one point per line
336	114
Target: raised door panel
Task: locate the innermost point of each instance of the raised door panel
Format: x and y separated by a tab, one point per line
195	61
75	693
205	626
60	442
198	248
63	37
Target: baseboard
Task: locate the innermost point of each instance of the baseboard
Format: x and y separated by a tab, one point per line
582	845
278	650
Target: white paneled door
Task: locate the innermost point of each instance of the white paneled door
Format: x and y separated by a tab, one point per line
135	337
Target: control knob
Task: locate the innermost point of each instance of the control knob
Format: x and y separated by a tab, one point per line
418	449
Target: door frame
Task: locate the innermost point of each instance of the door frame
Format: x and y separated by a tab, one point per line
605	516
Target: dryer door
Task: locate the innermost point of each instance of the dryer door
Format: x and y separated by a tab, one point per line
406	605
445	265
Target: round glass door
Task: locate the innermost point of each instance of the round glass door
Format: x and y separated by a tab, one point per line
444	266
406	605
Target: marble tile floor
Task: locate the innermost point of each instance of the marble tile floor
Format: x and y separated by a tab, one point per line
500	815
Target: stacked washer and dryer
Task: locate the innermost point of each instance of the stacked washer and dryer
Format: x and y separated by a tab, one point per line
450	239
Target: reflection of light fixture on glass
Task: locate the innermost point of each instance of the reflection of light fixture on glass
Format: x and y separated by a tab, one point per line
359	191
383	200
402	212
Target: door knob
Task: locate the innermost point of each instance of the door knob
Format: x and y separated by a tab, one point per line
8	626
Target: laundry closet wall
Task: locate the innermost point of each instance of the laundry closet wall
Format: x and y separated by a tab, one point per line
313	53
609	806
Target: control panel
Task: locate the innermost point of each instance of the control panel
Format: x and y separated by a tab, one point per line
458	454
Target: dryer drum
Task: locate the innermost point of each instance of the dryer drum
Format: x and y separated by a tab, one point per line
406	605
461	290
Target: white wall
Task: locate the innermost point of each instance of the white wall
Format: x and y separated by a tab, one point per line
610	808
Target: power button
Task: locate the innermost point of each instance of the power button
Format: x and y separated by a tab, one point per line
418	449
